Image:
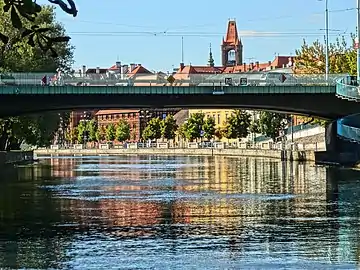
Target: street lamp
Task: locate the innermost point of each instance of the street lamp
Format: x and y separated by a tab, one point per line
358	37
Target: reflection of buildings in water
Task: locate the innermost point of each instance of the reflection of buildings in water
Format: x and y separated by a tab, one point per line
254	180
63	167
126	214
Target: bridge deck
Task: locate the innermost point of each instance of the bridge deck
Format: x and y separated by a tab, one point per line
164	90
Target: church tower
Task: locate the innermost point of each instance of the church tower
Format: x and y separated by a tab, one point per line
231	48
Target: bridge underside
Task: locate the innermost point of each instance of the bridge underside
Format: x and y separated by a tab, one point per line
325	105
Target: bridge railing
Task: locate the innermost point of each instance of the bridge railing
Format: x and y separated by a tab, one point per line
347	88
161	79
348	132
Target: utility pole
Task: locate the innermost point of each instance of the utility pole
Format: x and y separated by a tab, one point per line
358	37
327	40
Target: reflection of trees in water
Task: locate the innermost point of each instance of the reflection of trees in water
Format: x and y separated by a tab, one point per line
27	217
242	199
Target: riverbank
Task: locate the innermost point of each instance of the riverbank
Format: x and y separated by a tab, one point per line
16	157
306	155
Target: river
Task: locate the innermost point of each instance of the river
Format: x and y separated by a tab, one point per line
153	212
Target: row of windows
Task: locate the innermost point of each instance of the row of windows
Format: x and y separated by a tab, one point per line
117	116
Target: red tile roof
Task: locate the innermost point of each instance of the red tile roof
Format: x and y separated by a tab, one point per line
278	62
232	37
139	70
108	112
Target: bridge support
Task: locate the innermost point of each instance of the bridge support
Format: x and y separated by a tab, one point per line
338	151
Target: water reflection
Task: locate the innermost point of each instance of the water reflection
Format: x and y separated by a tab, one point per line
178	212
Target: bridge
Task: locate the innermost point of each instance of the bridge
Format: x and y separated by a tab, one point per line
310	96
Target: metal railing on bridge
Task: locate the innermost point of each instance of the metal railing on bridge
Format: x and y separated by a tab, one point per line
348	128
348	88
161	79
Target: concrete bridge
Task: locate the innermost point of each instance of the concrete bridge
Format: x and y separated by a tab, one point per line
312	100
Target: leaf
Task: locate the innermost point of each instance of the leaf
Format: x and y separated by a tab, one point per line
4	38
15	19
26	32
61	39
53	52
43	30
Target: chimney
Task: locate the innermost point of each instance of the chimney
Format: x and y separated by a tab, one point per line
257	64
118	65
97	70
83	70
139	65
182	66
124	69
251	66
132	67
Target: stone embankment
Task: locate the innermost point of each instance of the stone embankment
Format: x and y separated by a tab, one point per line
305	155
16	157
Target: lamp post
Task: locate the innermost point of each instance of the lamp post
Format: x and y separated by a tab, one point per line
358	36
326	40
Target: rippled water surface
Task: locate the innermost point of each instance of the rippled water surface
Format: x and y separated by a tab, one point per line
151	212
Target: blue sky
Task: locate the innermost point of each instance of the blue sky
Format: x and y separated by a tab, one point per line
149	32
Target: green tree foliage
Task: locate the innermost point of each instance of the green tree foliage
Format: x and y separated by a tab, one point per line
82	132
92	128
71	135
168	127
315	121
152	130
254	127
270	124
19	56
110	132
193	126
23	17
238	125
100	134
123	131
310	58
33	130
209	128
220	132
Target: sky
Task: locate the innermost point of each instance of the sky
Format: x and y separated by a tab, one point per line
150	32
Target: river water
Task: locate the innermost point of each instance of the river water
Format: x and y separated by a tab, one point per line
152	212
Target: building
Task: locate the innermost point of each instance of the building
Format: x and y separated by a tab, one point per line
232	60
137	119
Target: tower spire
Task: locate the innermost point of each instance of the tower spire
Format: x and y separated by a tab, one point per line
211	59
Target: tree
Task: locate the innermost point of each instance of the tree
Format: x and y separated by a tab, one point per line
193	126
311	58
238	125
71	135
122	130
254	127
110	132
19	56
92	128
22	17
168	127
152	130
270	124
100	134
209	128
220	132
81	132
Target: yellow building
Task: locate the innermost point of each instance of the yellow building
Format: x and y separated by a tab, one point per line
220	116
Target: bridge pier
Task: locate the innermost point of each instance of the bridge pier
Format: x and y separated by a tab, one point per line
338	151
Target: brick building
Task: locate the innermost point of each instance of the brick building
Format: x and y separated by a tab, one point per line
136	118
